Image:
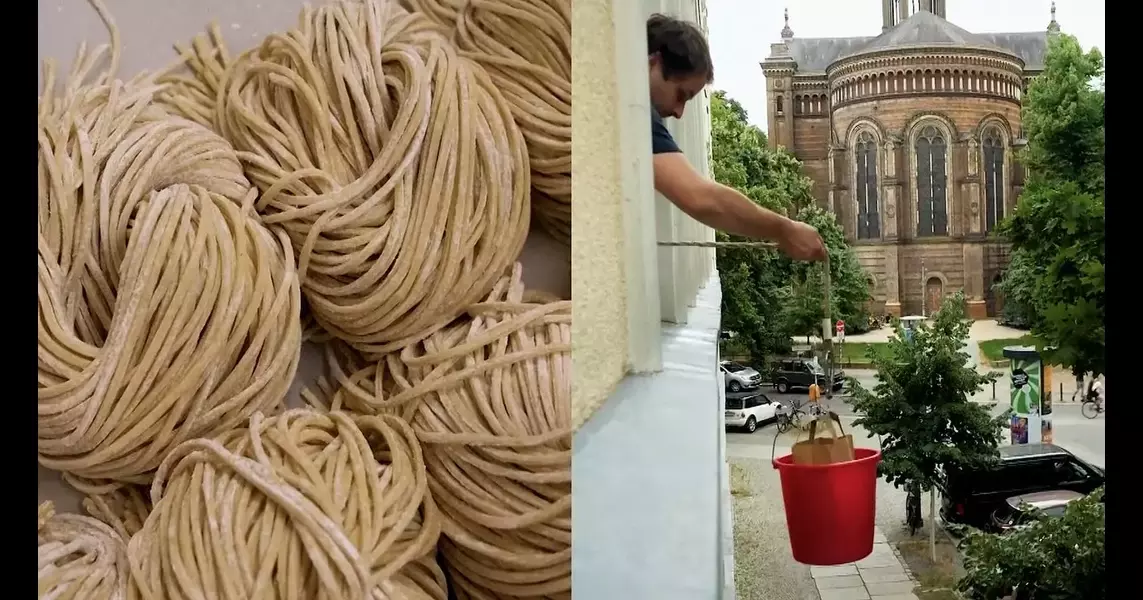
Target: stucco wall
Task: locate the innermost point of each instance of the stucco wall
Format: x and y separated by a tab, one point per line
599	298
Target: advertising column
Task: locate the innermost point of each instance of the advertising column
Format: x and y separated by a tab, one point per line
1031	414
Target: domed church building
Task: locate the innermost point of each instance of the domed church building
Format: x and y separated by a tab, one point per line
909	138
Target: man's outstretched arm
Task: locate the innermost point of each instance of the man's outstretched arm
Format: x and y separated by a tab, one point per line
725	209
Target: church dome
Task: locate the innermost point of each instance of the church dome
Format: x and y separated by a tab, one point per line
926	30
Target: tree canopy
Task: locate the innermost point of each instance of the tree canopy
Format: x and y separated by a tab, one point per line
743	161
1056	275
921	406
849	284
1059	558
761	290
754	280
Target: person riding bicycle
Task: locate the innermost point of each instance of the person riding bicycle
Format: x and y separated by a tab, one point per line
1095	392
1093	400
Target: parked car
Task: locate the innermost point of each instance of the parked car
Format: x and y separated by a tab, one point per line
737	377
802	372
971	497
1021	511
747	412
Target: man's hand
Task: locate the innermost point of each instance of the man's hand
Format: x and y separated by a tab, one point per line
800	241
724	208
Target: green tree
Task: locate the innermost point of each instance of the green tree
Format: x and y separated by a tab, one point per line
754	280
922	408
1052	559
1018	289
849	284
767	298
742	160
1057	231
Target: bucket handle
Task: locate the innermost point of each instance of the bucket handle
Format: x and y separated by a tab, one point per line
834	416
830	417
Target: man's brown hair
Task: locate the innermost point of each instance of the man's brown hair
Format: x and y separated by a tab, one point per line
681	47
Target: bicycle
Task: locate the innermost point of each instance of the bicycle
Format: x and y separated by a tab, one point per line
795	415
783	422
787	417
1092	408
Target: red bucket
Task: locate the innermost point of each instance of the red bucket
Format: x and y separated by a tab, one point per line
830	509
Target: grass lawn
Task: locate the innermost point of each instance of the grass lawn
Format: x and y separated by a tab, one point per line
858	351
993	350
935	579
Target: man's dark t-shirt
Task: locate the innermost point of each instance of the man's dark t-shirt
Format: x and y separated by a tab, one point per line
661	140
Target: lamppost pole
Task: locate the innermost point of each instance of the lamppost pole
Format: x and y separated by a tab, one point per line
924	300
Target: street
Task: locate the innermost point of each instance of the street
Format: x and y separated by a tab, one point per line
761	539
1083	437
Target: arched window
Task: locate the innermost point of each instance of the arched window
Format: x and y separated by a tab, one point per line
932	156
993	155
778	105
868	220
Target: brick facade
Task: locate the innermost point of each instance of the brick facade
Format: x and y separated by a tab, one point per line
926	229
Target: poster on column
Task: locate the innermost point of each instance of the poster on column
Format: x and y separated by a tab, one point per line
1046	405
1026	385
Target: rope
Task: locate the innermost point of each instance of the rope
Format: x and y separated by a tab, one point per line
720	244
827	299
300	505
80	557
489	398
525	46
391	160
826	303
166	310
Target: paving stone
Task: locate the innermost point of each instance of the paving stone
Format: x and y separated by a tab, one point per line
839	581
879	538
883	574
895	597
887	589
878	560
817	572
844	594
882	548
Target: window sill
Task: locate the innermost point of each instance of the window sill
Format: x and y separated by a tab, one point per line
654	455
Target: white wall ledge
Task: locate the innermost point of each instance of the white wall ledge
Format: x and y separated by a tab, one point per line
650	492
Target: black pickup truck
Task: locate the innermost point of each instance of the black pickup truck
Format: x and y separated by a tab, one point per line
798	372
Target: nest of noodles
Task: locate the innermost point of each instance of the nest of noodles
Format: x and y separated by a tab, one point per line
489	397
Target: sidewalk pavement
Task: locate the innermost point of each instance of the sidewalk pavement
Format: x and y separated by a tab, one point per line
880	576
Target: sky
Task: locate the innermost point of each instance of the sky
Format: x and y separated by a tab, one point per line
741	31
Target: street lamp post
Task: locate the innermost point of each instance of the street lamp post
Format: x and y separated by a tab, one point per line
924	300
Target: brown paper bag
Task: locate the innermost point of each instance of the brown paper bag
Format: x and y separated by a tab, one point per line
824	450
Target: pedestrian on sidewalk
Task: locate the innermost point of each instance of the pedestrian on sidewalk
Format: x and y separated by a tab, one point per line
815	394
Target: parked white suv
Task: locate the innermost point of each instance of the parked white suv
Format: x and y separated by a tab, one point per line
748	412
738	377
